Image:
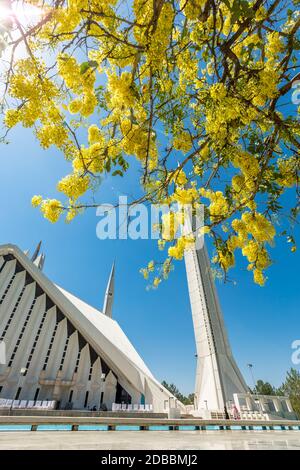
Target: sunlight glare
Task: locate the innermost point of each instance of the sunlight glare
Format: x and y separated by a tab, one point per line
24	13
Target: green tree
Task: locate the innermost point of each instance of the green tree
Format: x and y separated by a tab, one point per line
291	388
189	400
264	388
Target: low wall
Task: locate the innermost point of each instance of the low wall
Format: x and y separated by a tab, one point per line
80	413
144	423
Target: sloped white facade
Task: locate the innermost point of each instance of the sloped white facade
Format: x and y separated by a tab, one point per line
60	348
218	377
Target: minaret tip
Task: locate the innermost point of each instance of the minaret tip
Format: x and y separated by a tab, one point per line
36	252
109	293
40	261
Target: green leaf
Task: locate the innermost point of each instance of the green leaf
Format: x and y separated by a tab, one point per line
108	166
117	172
227	3
87	65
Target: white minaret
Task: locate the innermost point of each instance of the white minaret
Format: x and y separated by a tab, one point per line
217	374
109	293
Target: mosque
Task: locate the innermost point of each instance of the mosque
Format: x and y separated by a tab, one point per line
59	349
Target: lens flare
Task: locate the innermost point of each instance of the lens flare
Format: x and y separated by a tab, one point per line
24	13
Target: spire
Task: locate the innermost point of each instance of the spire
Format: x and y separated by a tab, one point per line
36	253
109	294
39	261
217	374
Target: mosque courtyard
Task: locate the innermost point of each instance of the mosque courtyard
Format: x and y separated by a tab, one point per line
152	440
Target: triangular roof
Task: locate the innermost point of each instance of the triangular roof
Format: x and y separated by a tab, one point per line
110	328
102	333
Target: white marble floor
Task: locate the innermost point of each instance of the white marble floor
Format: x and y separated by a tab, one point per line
164	440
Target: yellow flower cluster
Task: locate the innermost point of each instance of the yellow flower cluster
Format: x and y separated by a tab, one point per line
121	90
255	254
80	82
36	201
174	71
258	277
51	209
182	243
90	159
242	188
261	231
179	177
226	259
258	226
289	169
192	9
258	259
52	134
38	95
151	266
35	93
171	222
188	66
218	91
185	196
219	114
219	206
158	41
74	186
135	142
249	167
255	224
274	45
183	142
94	134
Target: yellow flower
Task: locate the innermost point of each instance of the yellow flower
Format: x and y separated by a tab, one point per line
203	230
36	201
259	277
94	134
151	266
218	91
51	209
226	259
183	142
74	185
274	44
288	171
205	152
179	177
182	243
170	225
12	117
145	273
75	106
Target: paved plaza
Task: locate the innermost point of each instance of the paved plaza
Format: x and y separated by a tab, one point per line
158	440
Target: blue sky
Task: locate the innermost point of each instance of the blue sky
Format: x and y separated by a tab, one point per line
262	322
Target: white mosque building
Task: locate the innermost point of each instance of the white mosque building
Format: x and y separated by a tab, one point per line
59	348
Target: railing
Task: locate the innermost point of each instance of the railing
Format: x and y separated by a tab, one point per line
8	404
136	408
